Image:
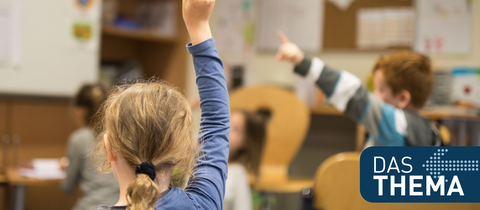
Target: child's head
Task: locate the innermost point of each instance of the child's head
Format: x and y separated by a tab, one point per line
87	102
149	122
247	137
403	79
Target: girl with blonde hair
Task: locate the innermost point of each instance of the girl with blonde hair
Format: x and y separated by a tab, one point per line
146	131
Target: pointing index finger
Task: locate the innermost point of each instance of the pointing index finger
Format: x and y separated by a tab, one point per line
282	37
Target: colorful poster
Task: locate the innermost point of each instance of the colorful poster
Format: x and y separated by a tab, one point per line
84	4
235	25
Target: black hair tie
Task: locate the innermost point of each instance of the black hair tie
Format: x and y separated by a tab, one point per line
146	168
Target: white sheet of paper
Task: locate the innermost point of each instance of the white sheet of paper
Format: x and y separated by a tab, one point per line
10	48
231	25
342	4
385	27
300	20
443	27
43	169
46	164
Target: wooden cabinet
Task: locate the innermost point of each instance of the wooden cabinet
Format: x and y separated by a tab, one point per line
3	127
3	131
3	117
43	129
160	56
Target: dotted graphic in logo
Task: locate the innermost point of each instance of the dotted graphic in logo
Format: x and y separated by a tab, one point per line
437	165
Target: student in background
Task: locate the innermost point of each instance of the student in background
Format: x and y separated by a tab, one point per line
147	130
247	137
97	188
403	82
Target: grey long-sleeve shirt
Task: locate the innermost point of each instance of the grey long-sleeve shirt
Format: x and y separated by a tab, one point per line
387	125
97	188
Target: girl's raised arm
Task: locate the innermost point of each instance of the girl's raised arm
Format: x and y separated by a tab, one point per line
207	187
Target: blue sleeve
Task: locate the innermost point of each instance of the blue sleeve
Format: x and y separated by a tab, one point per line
207	186
389	127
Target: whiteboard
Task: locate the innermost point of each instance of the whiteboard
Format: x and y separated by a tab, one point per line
48	59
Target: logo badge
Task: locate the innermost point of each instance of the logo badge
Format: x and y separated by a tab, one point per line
420	174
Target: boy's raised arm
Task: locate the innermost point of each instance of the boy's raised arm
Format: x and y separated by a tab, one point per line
345	91
207	186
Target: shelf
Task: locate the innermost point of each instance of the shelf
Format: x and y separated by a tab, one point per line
138	34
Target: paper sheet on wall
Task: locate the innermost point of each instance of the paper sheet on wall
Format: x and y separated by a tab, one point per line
300	20
10	34
443	27
385	27
235	25
342	4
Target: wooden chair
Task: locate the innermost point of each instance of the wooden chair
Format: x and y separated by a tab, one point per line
445	134
286	130
337	186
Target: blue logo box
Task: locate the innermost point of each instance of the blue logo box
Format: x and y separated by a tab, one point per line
420	174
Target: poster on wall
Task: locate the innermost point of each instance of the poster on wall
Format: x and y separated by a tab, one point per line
83	35
300	20
234	25
10	34
466	86
84	4
443	27
83	27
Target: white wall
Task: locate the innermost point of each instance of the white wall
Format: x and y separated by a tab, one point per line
266	70
52	61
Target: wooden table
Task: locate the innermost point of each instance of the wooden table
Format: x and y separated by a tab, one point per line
435	114
462	116
3	191
18	182
442	115
431	114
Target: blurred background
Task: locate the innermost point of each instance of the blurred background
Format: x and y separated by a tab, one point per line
49	48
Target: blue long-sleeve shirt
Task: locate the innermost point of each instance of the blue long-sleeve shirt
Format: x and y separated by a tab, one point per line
206	187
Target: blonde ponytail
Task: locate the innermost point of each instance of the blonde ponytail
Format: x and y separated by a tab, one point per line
142	193
150	123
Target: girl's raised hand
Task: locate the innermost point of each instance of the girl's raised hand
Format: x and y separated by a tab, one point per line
196	14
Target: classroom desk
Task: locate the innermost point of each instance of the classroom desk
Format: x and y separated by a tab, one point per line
437	115
431	114
462	117
3	191
19	183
